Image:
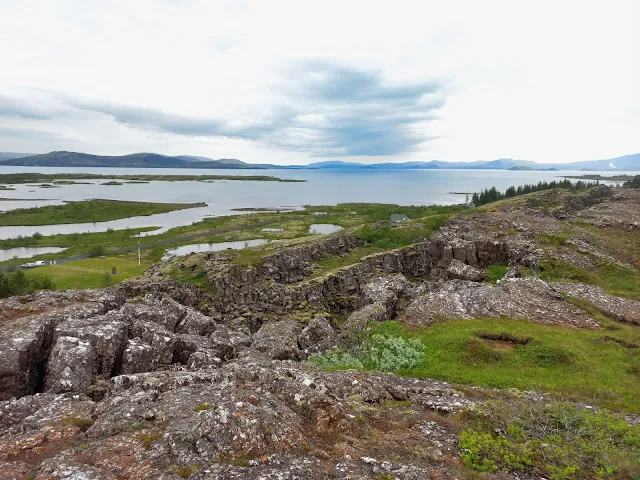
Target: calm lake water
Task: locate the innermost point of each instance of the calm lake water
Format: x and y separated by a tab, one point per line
323	187
27	252
324	228
213	247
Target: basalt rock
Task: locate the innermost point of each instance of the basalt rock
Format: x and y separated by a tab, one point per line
278	340
458	270
521	298
317	336
622	309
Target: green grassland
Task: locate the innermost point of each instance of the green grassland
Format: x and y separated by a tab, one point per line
14	178
91	272
88	211
577	364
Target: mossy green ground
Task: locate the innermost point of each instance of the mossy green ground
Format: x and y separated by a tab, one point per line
90	273
87	212
575	363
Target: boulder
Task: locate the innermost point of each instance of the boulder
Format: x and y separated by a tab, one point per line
278	340
317	336
461	271
70	366
622	309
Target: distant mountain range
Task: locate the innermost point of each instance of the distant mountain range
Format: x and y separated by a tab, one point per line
139	160
155	160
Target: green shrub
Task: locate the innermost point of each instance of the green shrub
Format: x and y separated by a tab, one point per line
335	359
557	239
560	439
383	353
147	439
392	354
17	283
184	471
97	251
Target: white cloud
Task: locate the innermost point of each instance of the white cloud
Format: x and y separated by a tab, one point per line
281	81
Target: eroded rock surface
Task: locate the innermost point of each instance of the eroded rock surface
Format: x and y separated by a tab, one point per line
521	298
621	309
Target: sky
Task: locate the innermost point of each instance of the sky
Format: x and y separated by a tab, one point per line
293	82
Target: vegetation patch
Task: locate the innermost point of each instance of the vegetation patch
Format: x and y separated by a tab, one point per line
89	273
557	440
612	277
569	362
383	353
147	439
79	422
479	352
493	273
18	283
490	195
184	471
87	212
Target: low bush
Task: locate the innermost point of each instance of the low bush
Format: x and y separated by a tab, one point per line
335	359
17	283
97	251
79	422
557	440
383	353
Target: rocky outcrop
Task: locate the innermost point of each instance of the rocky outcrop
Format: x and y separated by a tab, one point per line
317	336
521	298
29	330
281	284
81	340
247	419
621	309
278	340
461	271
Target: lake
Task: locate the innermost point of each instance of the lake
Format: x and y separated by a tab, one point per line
27	252
322	187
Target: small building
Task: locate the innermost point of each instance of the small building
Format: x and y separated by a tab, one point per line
399	218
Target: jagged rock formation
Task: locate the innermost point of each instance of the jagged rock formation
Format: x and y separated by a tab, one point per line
521	298
621	309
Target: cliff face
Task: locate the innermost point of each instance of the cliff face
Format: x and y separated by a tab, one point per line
155	378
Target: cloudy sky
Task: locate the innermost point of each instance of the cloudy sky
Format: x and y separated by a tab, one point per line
292	82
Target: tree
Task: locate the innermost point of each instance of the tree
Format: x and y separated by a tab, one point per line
19	283
5	286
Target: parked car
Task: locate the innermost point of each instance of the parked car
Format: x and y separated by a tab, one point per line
39	263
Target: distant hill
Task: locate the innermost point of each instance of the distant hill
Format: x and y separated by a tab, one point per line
155	160
10	155
140	160
627	162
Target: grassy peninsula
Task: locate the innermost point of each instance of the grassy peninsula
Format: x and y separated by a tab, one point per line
87	212
16	178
